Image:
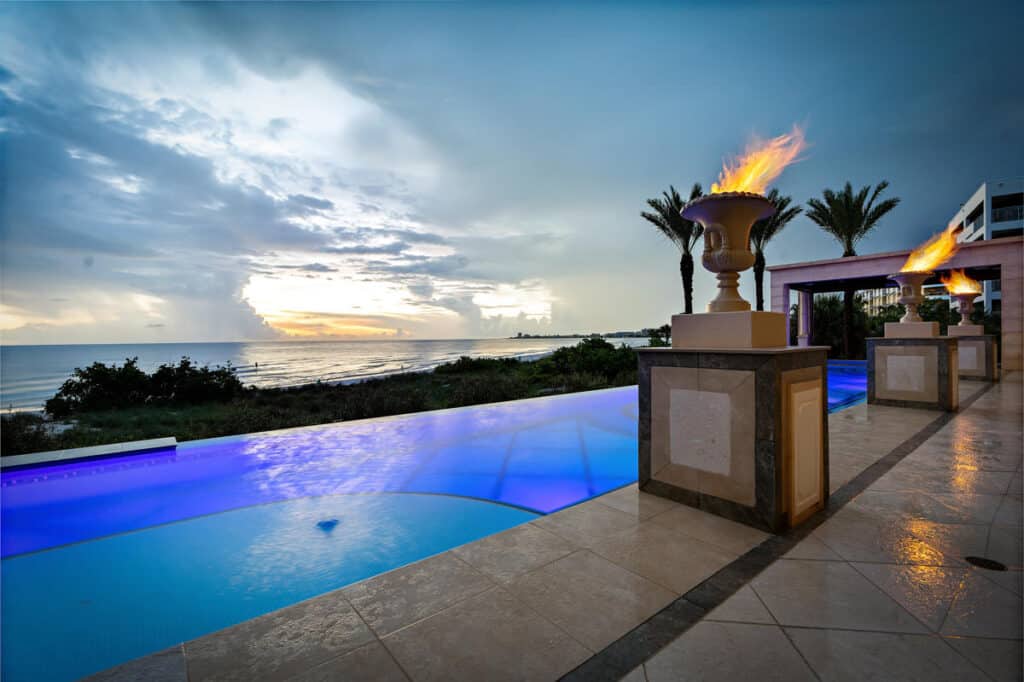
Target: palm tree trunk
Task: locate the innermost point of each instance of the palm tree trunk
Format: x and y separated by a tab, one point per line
686	270
847	321
759	278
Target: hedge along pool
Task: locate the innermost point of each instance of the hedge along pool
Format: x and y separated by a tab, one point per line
110	559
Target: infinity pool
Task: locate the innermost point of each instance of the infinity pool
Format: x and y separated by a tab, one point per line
110	559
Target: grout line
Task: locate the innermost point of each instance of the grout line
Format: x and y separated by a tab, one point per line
543	617
799	652
898	605
394	658
642	642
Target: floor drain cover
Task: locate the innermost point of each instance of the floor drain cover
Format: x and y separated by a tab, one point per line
982	562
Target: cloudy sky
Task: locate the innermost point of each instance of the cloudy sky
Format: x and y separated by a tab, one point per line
242	172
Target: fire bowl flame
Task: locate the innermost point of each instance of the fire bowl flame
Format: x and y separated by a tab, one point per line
911	294
727	219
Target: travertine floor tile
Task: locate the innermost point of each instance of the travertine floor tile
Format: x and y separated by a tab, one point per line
872	536
1010	512
589	597
492	636
279	645
827	594
743	607
370	662
668	557
405	595
506	556
935	507
848	656
812	548
639	504
714	530
726	652
1001	659
984	609
924	591
586	523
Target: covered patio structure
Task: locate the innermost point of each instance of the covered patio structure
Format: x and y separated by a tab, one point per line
996	259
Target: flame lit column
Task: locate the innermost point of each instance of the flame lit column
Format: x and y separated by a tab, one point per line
976	351
732	419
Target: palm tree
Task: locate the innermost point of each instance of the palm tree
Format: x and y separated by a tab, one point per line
764	230
682	232
848	217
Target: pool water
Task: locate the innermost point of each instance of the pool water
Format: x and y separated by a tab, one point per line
847	383
110	559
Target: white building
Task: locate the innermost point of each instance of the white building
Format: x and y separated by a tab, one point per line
996	209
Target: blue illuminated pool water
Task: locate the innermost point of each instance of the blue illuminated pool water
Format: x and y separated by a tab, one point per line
110	559
847	383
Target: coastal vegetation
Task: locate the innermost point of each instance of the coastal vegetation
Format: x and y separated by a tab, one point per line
108	404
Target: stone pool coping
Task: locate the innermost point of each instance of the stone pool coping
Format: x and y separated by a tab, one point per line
51	456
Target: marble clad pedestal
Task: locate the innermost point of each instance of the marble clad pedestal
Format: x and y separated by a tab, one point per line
741	329
911	330
739	433
977	355
914	372
966	330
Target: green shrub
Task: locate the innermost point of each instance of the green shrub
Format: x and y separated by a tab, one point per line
102	387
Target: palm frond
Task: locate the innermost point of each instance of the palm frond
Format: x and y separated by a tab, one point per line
668	220
848	216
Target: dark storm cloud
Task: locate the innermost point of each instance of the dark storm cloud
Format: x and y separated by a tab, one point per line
308	267
68	152
392	248
438	267
302	205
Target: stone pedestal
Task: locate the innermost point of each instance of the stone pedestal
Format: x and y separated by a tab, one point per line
911	330
966	330
977	355
739	433
742	329
914	372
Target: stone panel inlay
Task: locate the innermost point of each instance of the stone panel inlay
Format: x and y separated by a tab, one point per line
968	355
699	430
702	431
905	373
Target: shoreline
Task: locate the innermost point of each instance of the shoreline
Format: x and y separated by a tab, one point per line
522	357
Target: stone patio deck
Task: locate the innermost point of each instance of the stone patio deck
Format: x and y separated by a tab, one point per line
635	585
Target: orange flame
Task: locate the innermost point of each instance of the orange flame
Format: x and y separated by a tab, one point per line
934	252
959	283
760	164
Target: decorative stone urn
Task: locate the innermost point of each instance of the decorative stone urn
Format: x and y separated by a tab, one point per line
964	303
911	294
727	219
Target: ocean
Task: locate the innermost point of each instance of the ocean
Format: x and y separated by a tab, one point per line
29	375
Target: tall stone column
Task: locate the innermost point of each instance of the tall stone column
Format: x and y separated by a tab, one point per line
803	329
